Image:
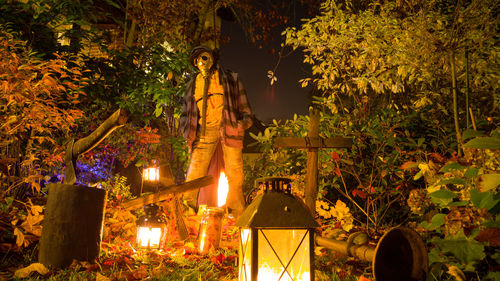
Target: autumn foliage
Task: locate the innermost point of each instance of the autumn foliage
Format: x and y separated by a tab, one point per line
37	111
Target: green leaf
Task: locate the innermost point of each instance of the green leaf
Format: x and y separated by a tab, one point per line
140	163
458	204
158	111
489	181
483	199
442	197
466	250
451	167
437	221
434	256
493	223
493	276
472	134
471	172
6	206
484	143
452	181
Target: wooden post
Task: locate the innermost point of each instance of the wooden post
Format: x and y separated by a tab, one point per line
313	142
311	191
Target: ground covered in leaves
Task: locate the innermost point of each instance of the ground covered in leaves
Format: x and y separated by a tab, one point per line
120	259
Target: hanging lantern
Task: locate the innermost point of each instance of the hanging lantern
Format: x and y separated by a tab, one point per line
151	229
211	222
276	236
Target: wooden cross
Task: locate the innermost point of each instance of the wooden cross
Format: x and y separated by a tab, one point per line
313	142
166	188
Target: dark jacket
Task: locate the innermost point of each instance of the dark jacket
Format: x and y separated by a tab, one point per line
236	115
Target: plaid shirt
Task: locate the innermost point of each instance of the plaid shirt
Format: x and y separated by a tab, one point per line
236	115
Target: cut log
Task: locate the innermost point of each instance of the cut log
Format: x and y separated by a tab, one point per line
165	191
72	225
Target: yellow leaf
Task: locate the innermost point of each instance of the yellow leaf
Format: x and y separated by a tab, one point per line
100	277
31	221
26	271
19	237
35	209
456	272
129	225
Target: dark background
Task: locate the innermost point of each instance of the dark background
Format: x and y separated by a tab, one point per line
285	97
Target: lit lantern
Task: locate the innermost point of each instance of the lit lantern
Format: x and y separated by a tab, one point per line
151	229
276	236
211	222
151	174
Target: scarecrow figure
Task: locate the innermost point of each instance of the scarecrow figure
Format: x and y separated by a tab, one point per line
215	115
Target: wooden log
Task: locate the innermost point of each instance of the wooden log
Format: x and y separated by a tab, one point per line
311	190
117	119
165	191
72	225
313	142
74	149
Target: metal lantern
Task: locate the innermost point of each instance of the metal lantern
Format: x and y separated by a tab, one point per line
276	235
151	229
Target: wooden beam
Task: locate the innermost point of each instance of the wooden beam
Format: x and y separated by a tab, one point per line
310	142
165	191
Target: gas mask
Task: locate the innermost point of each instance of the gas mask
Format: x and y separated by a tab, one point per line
204	62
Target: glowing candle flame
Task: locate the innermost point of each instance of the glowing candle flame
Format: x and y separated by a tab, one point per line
151	174
222	190
149	237
267	273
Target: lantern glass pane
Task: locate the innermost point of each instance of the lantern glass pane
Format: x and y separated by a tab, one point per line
245	254
284	255
149	236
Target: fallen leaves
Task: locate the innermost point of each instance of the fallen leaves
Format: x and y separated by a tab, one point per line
100	277
362	278
34	267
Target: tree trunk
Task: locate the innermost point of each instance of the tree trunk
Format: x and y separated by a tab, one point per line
455	106
72	226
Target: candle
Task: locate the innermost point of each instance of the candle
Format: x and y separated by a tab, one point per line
210	229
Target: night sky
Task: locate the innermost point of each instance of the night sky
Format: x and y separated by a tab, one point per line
285	97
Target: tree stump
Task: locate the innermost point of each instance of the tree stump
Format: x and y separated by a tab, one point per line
72	227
